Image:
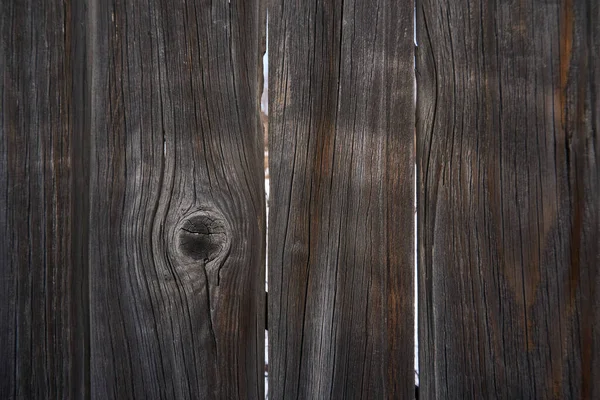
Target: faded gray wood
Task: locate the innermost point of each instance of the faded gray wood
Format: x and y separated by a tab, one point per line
177	203
341	128
43	313
508	186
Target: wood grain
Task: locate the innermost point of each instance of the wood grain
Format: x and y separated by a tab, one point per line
43	342
508	185
341	128
177	203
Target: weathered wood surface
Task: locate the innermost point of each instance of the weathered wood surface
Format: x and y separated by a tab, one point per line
43	346
508	186
177	204
341	129
133	132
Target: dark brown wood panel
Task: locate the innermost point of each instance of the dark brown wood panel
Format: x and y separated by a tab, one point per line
341	129
43	342
177	204
508	186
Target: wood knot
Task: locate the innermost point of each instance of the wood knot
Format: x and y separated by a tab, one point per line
203	236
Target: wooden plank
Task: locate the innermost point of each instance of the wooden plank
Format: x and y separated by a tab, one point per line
341	128
508	184
43	342
177	203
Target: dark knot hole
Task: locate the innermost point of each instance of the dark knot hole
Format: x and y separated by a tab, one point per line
203	237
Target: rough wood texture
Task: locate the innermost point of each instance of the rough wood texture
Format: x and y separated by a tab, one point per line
508	186
177	203
43	346
341	129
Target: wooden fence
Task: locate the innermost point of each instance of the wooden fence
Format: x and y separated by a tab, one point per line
132	211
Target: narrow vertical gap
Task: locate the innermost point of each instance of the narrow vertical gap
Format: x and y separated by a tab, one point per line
416	212
415	287
264	118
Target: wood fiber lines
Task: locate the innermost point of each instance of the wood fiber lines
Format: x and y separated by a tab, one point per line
131	200
341	129
508	184
177	245
43	349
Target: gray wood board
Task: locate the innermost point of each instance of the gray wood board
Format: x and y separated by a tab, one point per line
508	184
43	313
341	144
177	200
